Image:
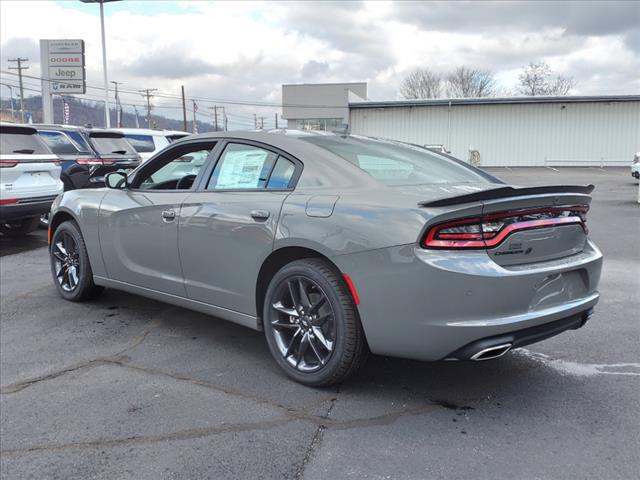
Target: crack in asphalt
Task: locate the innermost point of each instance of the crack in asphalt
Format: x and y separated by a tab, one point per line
116	359
322	422
316	440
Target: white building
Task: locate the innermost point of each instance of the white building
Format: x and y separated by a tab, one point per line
514	131
320	106
529	131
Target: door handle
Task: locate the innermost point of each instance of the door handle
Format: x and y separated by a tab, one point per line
260	214
168	215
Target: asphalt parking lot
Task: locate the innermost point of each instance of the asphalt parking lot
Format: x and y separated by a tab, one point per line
125	387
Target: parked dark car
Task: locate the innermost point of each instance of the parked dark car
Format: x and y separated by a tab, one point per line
87	155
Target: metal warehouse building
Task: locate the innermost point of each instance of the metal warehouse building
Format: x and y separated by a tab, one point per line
514	131
529	131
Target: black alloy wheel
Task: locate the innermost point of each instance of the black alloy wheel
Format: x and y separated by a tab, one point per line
312	325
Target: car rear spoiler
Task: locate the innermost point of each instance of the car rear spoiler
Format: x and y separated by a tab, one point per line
506	192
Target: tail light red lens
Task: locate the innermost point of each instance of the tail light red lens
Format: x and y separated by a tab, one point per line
489	231
8	163
4	163
8	201
90	161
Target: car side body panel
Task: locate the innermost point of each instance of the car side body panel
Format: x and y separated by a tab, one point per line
222	246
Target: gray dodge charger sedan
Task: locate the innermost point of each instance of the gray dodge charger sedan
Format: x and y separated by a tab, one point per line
334	246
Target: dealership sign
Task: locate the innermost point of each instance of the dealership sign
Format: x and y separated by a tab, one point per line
63	66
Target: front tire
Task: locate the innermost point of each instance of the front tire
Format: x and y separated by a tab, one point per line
312	325
70	265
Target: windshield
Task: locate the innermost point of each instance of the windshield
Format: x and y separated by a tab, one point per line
112	145
394	163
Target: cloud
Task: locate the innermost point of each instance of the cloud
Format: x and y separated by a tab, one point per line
312	69
169	65
245	51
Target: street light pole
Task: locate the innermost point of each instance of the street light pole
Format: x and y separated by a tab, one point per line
107	120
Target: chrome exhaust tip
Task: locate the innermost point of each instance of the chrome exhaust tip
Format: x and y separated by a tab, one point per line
490	353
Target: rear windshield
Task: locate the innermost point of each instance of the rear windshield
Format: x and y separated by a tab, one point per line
399	164
112	145
22	144
59	143
142	143
176	136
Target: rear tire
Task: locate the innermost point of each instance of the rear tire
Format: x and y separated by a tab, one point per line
21	227
312	325
70	265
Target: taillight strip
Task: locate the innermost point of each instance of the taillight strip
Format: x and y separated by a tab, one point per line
480	239
431	242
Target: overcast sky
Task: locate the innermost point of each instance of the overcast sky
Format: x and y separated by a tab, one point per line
243	51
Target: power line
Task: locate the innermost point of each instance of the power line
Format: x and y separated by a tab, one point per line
161	94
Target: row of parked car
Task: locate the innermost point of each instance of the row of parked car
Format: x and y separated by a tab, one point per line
38	162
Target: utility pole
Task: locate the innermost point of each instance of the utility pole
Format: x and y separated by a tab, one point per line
215	117
20	67
276	120
261	123
13	113
255	122
135	109
224	118
118	105
195	109
148	93
184	111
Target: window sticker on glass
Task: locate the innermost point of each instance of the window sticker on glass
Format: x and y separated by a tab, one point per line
241	170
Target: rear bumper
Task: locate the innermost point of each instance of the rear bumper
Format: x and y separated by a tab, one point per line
428	305
521	338
33	207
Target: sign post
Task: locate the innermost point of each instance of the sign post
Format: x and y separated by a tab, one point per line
63	71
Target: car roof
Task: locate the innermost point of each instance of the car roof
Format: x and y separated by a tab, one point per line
148	131
287	140
17	128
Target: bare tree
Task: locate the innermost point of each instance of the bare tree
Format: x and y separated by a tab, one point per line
465	82
421	83
536	79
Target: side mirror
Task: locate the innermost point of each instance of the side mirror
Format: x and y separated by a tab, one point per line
117	180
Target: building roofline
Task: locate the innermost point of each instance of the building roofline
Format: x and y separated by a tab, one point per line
321	84
494	101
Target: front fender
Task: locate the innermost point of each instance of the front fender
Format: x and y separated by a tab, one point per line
83	207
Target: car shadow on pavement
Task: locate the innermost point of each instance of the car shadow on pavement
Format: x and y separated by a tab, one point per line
209	350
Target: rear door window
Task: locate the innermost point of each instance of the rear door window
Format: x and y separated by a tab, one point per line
281	175
79	140
58	142
242	167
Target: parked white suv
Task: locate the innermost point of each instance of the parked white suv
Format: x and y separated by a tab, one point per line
29	179
635	166
148	142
